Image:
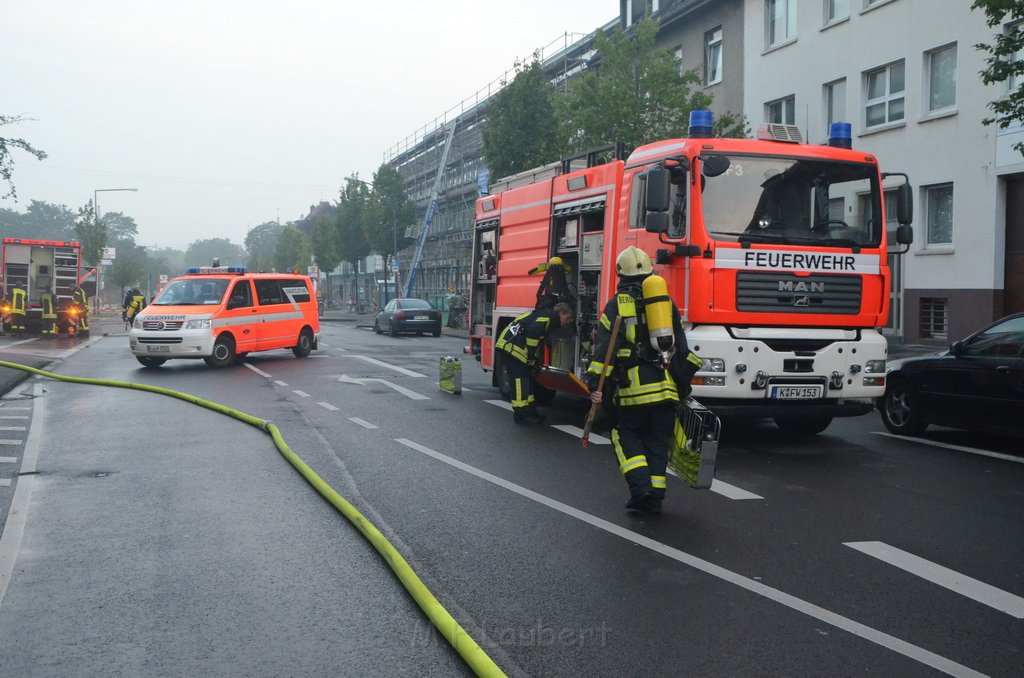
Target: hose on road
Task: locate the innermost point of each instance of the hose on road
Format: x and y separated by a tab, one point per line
451	630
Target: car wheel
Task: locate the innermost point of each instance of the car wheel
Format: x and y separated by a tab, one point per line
501	378
305	344
437	332
803	426
393	328
146	361
901	409
223	352
376	327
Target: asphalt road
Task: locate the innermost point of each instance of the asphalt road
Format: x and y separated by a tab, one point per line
158	538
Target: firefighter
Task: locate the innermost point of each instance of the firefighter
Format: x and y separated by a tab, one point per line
521	340
80	300
647	377
49	316
5	309
18	300
134	302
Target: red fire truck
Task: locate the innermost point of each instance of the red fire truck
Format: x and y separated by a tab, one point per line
42	267
775	252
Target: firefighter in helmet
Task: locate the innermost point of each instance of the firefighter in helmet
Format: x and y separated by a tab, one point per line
520	341
48	302
134	301
650	372
18	302
80	301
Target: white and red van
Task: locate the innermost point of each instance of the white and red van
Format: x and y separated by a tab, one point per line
222	313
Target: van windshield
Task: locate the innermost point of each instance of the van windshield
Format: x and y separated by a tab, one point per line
192	292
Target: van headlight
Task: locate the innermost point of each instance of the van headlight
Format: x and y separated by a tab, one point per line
137	324
197	324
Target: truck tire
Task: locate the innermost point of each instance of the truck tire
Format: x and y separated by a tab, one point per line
147	361
803	426
501	378
223	352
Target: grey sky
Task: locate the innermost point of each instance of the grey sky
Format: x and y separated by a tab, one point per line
226	115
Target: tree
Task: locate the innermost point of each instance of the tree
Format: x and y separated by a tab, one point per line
635	95
44	221
166	261
353	210
292	251
91	233
1005	62
390	211
261	243
325	243
129	267
521	131
203	252
121	230
7	146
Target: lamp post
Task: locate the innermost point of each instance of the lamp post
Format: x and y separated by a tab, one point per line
99	264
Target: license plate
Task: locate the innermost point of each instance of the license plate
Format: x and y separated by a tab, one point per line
796	392
420	317
158	349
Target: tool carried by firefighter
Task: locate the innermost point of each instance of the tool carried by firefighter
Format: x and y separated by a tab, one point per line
694	448
600	382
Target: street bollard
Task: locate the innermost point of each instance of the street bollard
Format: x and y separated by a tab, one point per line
451	375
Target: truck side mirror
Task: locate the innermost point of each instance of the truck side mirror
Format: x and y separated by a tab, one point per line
657	222
656	198
905	234
714	165
904	205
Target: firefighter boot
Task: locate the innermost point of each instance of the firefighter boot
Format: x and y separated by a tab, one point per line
528	415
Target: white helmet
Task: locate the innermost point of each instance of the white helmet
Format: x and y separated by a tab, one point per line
633	262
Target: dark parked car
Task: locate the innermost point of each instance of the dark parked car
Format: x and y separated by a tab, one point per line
977	384
408	315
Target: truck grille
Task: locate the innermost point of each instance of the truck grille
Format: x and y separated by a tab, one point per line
761	292
162	325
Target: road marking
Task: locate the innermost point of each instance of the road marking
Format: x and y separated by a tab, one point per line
731	491
362	422
13	416
404	391
23	341
317	355
880	638
381	363
943	576
279	382
10	408
327	406
12	428
578	432
258	371
959	448
500	403
301	393
8	460
5	482
10	441
437	384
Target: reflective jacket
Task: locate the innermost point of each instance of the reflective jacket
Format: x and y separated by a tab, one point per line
80	298
133	303
522	337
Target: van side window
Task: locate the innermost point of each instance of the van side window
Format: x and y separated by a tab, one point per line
269	292
241	295
295	290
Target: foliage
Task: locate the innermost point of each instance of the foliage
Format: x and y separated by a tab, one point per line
292	251
129	267
121	230
389	212
521	130
324	241
91	233
635	95
261	243
203	252
7	146
41	220
353	213
166	261
1001	66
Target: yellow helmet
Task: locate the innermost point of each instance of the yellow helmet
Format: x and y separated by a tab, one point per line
633	262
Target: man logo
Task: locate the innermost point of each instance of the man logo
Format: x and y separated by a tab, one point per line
801	286
802	300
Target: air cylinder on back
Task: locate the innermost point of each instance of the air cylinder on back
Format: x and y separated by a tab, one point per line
658	308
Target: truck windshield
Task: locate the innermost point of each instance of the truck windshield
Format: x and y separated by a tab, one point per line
192	292
792	201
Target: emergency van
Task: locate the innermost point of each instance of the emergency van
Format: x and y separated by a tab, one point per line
222	313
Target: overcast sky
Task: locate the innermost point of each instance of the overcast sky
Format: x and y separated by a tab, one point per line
225	115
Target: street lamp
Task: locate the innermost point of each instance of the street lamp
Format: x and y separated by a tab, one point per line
99	264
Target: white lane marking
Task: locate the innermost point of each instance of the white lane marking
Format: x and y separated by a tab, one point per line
12	428
959	448
500	403
279	382
301	393
317	355
8	460
13	416
5	482
881	638
258	371
362	422
943	576
15	343
327	406
381	363
10	441
578	432
9	408
731	491
404	391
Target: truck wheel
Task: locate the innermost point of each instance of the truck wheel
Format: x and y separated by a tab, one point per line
305	345
901	412
803	426
542	394
501	378
150	362
223	352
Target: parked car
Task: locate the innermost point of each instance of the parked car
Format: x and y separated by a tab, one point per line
977	384
408	315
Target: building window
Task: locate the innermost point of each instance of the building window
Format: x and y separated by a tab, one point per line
934	318
940	65
780	21
834	102
939	214
713	56
836	10
677	54
885	95
781	111
1016	80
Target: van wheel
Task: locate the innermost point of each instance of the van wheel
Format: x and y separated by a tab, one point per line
150	362
223	352
305	345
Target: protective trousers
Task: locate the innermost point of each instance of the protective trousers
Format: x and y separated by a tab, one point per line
18	309
641	439
49	325
522	384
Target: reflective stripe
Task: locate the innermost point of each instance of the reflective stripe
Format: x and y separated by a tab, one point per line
633	463
658	482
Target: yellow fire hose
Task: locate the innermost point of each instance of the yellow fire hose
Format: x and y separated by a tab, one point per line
462	642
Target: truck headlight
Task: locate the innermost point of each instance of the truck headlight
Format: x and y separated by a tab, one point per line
874	367
197	324
712	365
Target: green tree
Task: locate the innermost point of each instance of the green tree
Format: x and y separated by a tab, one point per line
45	221
7	146
261	243
324	241
389	212
521	129
203	252
1004	62
165	261
293	251
121	230
635	95
129	267
353	213
91	233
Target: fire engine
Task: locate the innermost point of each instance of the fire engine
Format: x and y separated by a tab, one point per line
774	251
42	267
